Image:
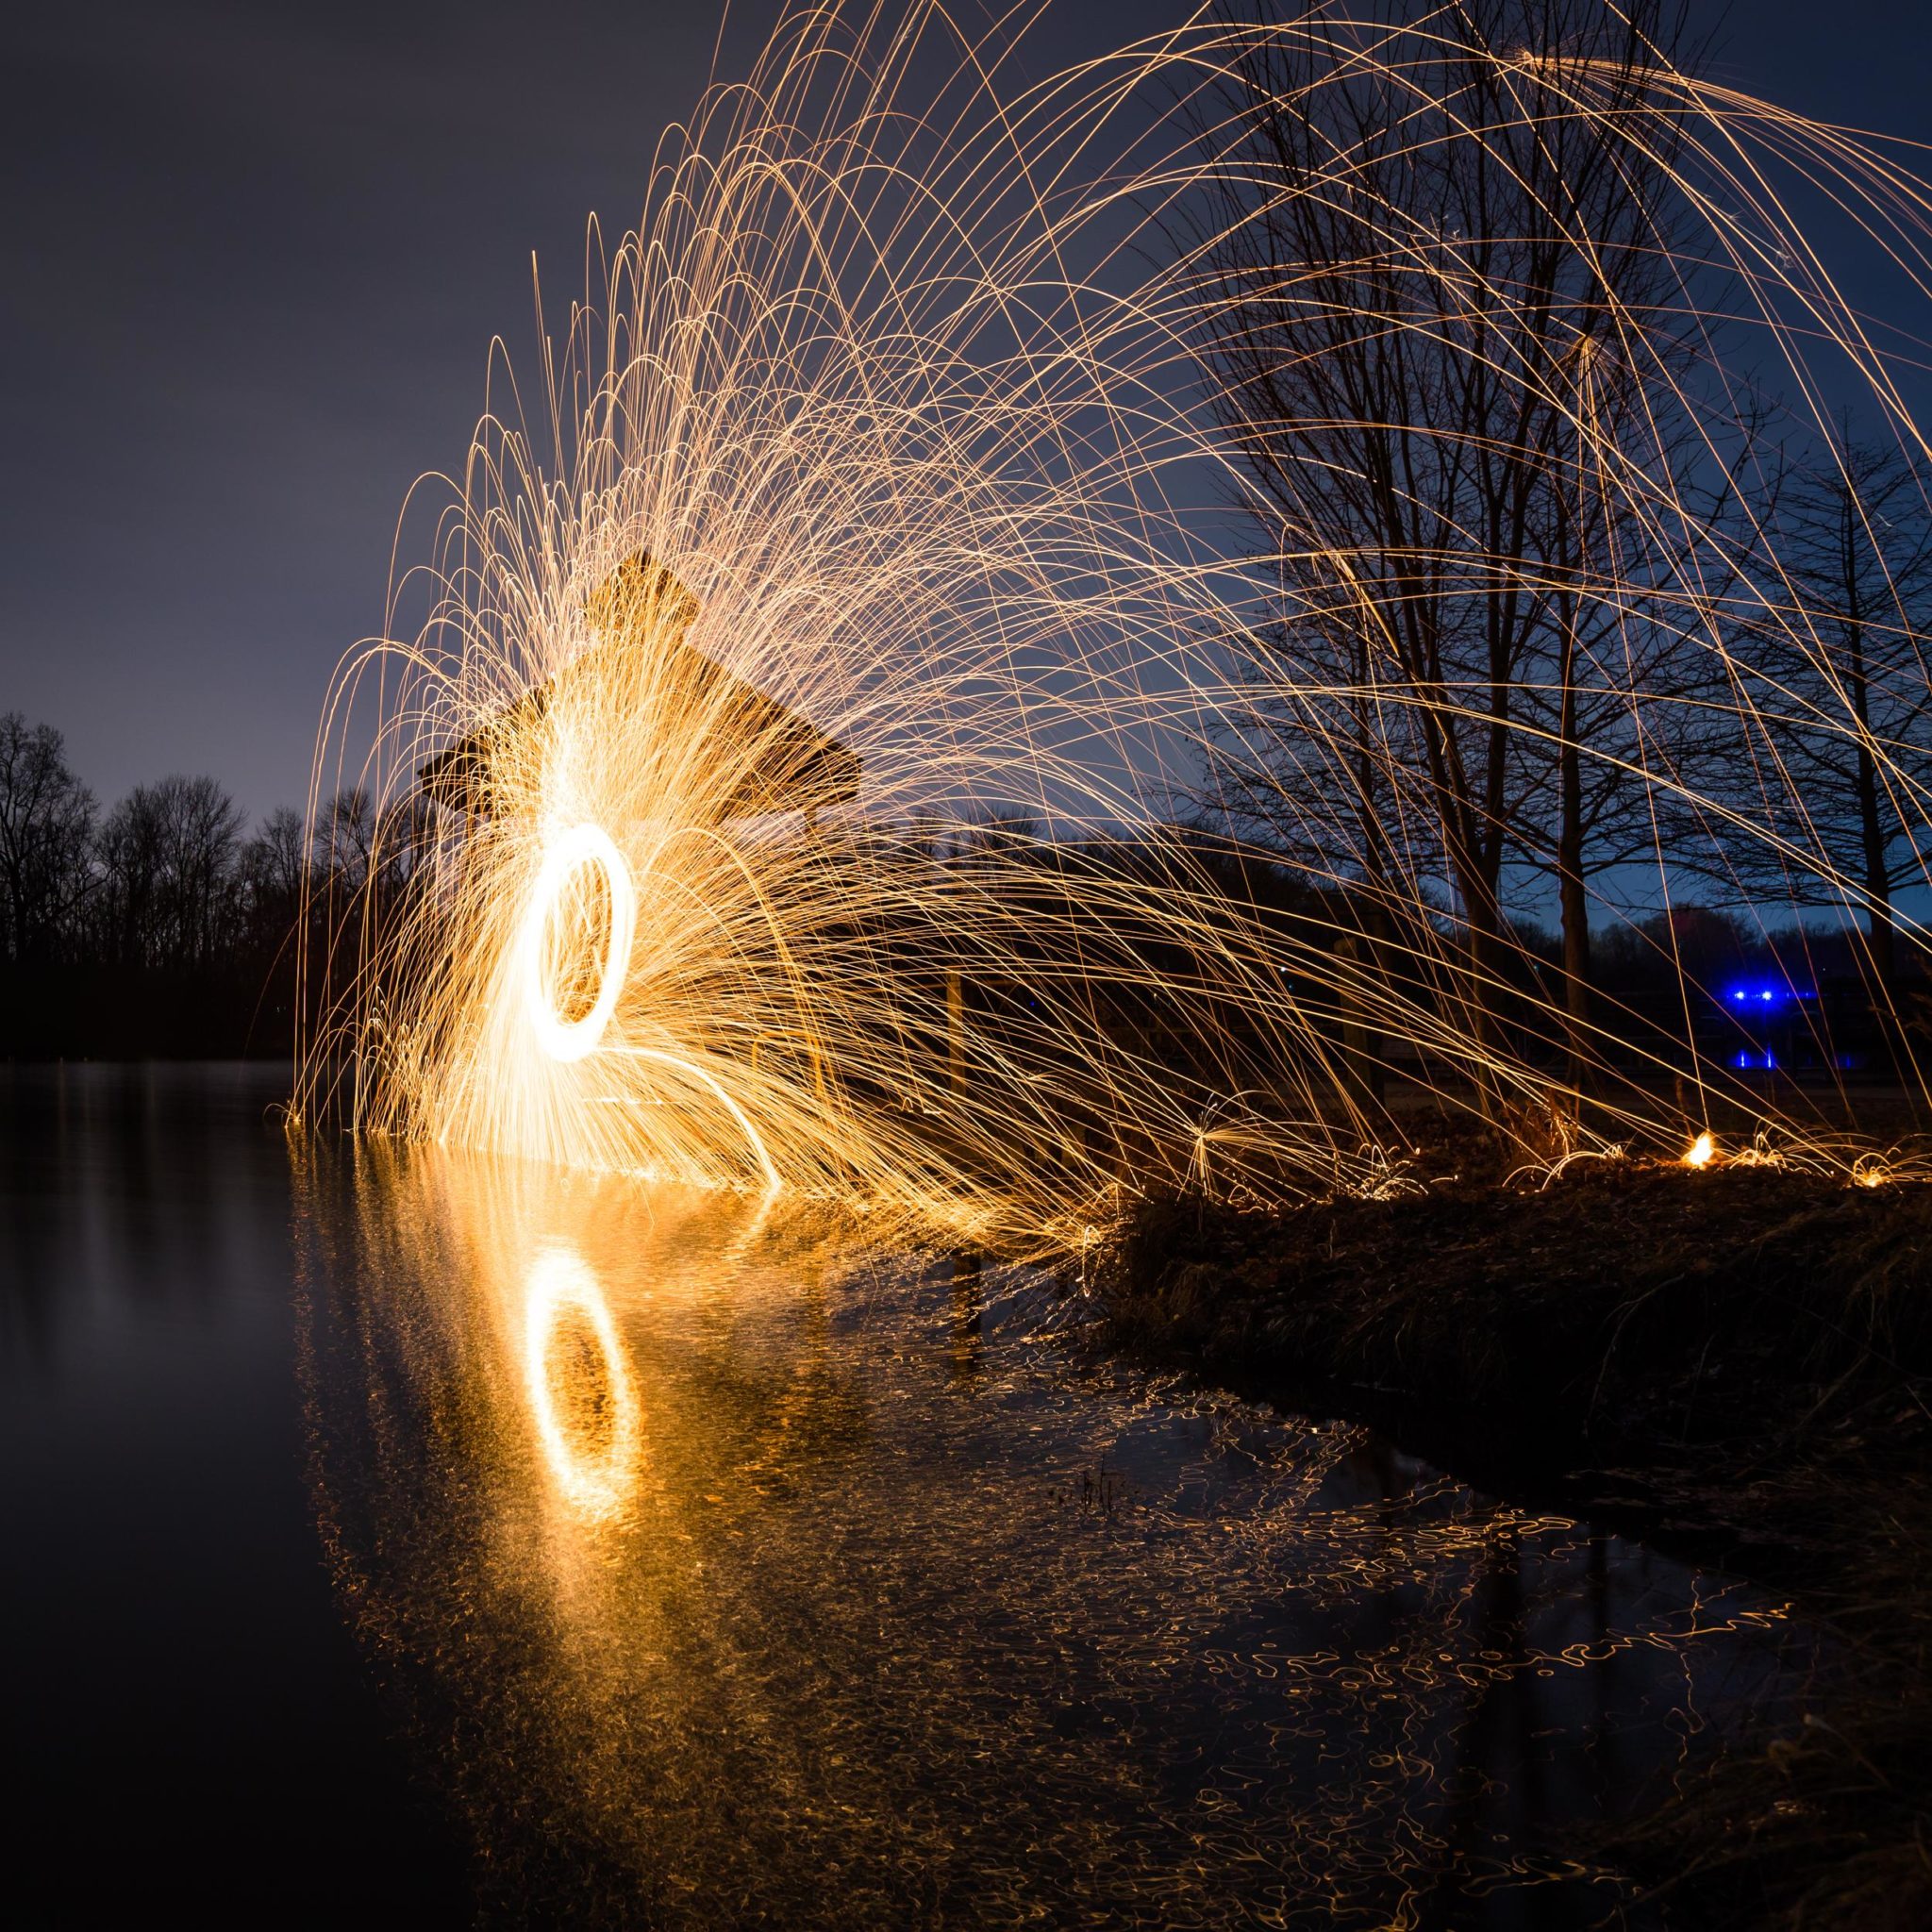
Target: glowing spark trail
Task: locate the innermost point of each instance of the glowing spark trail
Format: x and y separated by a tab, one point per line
842	741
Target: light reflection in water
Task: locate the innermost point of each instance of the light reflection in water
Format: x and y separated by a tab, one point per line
579	1386
834	1560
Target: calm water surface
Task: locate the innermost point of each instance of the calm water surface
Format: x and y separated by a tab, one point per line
393	1536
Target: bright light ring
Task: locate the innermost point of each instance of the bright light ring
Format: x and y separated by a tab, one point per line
582	845
595	1485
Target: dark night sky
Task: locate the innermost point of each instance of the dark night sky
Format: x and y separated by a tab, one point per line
253	259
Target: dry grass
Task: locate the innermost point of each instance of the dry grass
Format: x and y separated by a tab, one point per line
1734	1364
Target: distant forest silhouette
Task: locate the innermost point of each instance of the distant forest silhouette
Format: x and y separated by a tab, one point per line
162	927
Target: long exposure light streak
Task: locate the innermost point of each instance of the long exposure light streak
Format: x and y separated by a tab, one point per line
582	848
848	742
590	1441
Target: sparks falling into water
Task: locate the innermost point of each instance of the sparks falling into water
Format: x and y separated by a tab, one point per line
781	790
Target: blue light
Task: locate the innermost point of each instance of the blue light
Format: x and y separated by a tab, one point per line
1766	995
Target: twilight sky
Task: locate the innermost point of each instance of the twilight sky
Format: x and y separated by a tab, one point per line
251	260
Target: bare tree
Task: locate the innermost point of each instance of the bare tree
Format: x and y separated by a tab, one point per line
1840	682
1438	283
1627	702
272	864
169	852
46	823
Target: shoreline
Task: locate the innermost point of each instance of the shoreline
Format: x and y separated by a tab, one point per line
1734	1366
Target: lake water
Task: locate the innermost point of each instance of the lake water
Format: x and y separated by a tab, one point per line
393	1534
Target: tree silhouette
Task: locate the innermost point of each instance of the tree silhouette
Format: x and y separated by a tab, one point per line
46	828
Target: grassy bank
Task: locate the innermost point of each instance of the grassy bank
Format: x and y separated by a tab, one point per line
1736	1364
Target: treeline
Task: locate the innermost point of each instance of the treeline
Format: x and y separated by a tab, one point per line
162	925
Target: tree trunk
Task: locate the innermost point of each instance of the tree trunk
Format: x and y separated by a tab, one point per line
1878	922
1879	938
1574	902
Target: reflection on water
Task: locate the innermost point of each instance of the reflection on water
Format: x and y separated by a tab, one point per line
188	1721
730	1574
578	1385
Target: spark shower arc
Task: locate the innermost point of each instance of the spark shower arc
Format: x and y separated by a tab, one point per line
859	729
